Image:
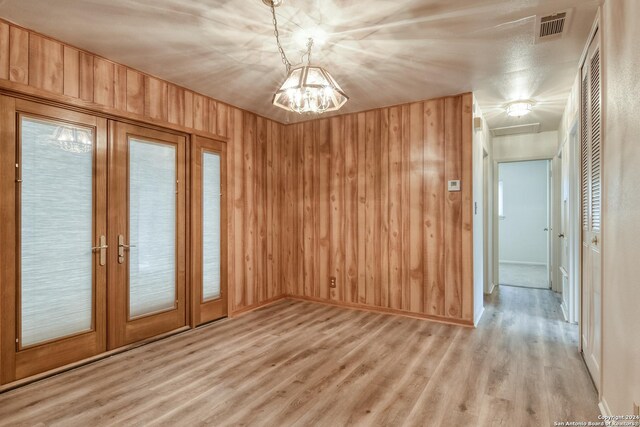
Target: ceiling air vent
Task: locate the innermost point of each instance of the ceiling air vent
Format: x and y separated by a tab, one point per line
552	27
516	130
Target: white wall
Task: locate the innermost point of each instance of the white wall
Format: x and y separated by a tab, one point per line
621	209
532	146
526	197
528	146
481	144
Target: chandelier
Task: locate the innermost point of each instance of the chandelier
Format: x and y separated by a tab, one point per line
308	89
73	140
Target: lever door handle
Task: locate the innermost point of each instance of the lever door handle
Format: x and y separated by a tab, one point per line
561	235
594	240
101	249
122	247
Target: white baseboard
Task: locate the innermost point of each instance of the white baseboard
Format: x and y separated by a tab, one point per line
565	312
604	408
521	262
478	316
491	288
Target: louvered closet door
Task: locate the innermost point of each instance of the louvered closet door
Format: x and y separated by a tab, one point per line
591	155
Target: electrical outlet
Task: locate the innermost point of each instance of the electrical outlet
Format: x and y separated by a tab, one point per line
332	282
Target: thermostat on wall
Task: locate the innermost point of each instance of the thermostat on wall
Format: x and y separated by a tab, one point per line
454	185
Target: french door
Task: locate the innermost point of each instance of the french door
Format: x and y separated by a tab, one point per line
208	219
591	170
92	236
53	178
147	233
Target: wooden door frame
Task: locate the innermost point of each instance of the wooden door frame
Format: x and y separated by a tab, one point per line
206	311
16	362
132	330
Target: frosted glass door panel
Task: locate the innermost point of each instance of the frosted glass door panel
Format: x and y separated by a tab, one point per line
210	226
152	227
56	230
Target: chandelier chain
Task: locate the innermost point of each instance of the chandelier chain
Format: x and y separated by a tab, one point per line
283	56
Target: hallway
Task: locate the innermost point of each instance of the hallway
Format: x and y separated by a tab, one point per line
297	362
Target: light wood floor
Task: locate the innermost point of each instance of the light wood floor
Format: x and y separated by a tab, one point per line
299	363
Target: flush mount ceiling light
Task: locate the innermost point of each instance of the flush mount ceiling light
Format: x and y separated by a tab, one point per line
274	3
519	108
307	89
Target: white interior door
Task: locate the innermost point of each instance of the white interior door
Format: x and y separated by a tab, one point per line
591	326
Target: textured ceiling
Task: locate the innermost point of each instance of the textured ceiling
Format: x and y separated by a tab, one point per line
382	52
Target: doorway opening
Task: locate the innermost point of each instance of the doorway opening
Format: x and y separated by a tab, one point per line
524	193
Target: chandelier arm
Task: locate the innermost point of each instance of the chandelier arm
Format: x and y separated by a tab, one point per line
285	61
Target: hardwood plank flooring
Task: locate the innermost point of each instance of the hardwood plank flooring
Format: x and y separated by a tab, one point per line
300	363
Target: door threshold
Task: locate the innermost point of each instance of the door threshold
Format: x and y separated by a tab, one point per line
66	368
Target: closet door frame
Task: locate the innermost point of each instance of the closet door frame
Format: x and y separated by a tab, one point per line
122	329
18	362
206	311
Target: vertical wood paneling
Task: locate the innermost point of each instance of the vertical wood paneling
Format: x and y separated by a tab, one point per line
200	112
415	203
4	51
188	111
323	192
156	98
377	198
301	207
371	129
135	92
362	199
336	186
453	209
249	212
86	77
18	55
71	72
222	115
176	105
239	189
103	79
433	214
120	88
213	116
260	209
46	59
467	207
395	208
384	208
272	208
351	208
310	208
230	195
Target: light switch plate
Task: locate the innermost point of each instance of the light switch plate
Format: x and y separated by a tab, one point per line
454	185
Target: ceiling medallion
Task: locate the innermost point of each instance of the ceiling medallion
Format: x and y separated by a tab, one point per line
307	89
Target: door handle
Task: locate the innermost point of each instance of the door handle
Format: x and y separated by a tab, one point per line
122	247
101	249
594	240
546	229
561	235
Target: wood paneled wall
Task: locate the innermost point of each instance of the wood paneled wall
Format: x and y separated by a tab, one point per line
359	197
39	66
367	203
